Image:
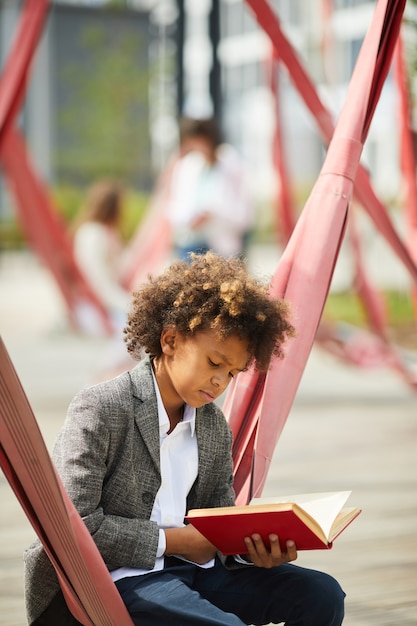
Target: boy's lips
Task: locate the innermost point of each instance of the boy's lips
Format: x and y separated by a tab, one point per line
209	397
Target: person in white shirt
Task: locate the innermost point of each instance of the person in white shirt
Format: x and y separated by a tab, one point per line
98	247
209	205
98	251
139	451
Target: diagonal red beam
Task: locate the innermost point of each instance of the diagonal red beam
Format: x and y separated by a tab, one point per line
376	313
305	270
24	459
364	192
323	219
384	351
407	156
240	406
44	229
152	241
13	79
38	216
285	209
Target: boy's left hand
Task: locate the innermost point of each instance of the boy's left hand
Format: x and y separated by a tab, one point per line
261	556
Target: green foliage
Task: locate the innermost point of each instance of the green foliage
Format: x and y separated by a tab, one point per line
103	121
347	307
116	4
69	200
11	237
136	205
400	307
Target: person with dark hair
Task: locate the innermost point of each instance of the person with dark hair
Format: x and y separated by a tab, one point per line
99	251
210	207
98	246
137	452
192	129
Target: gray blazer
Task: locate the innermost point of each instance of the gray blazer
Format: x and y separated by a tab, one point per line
107	455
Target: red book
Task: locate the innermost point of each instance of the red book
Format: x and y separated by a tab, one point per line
313	521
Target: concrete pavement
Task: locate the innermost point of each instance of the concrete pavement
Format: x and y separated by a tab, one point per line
348	429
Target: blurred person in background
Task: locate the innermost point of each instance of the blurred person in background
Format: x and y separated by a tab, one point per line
98	250
209	203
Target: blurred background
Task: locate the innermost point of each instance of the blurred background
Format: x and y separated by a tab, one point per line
110	81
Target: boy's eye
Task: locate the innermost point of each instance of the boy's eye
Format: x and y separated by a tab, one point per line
213	364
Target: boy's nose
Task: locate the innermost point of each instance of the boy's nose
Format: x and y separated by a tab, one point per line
220	380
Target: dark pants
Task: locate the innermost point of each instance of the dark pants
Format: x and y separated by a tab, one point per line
183	594
183	252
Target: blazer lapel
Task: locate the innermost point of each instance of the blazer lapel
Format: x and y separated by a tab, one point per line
207	444
146	419
146	408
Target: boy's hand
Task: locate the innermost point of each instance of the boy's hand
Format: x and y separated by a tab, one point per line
189	543
262	557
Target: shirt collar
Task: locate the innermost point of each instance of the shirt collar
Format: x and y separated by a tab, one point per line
189	412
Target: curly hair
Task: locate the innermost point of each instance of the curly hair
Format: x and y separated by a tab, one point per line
209	292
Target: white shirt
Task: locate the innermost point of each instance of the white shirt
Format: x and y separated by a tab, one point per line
219	189
97	251
179	469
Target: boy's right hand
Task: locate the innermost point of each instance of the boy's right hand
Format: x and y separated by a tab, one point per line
189	543
261	556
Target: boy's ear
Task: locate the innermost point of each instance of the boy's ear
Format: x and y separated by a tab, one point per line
168	340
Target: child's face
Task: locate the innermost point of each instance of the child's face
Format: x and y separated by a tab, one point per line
201	145
199	368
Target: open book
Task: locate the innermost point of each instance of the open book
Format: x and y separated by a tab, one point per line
313	521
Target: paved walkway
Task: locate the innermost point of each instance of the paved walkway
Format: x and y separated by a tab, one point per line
348	429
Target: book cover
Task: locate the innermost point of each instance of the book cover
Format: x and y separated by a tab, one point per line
226	527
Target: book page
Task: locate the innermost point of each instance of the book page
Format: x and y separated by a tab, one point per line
322	507
345	516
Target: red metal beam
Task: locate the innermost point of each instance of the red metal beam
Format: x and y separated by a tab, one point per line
38	216
306	268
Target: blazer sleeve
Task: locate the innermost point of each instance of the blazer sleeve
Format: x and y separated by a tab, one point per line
95	462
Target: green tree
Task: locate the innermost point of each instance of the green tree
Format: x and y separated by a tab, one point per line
103	123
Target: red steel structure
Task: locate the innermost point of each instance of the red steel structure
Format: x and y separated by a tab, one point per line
258	405
35	209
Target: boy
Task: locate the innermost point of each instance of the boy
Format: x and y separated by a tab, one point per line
137	452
